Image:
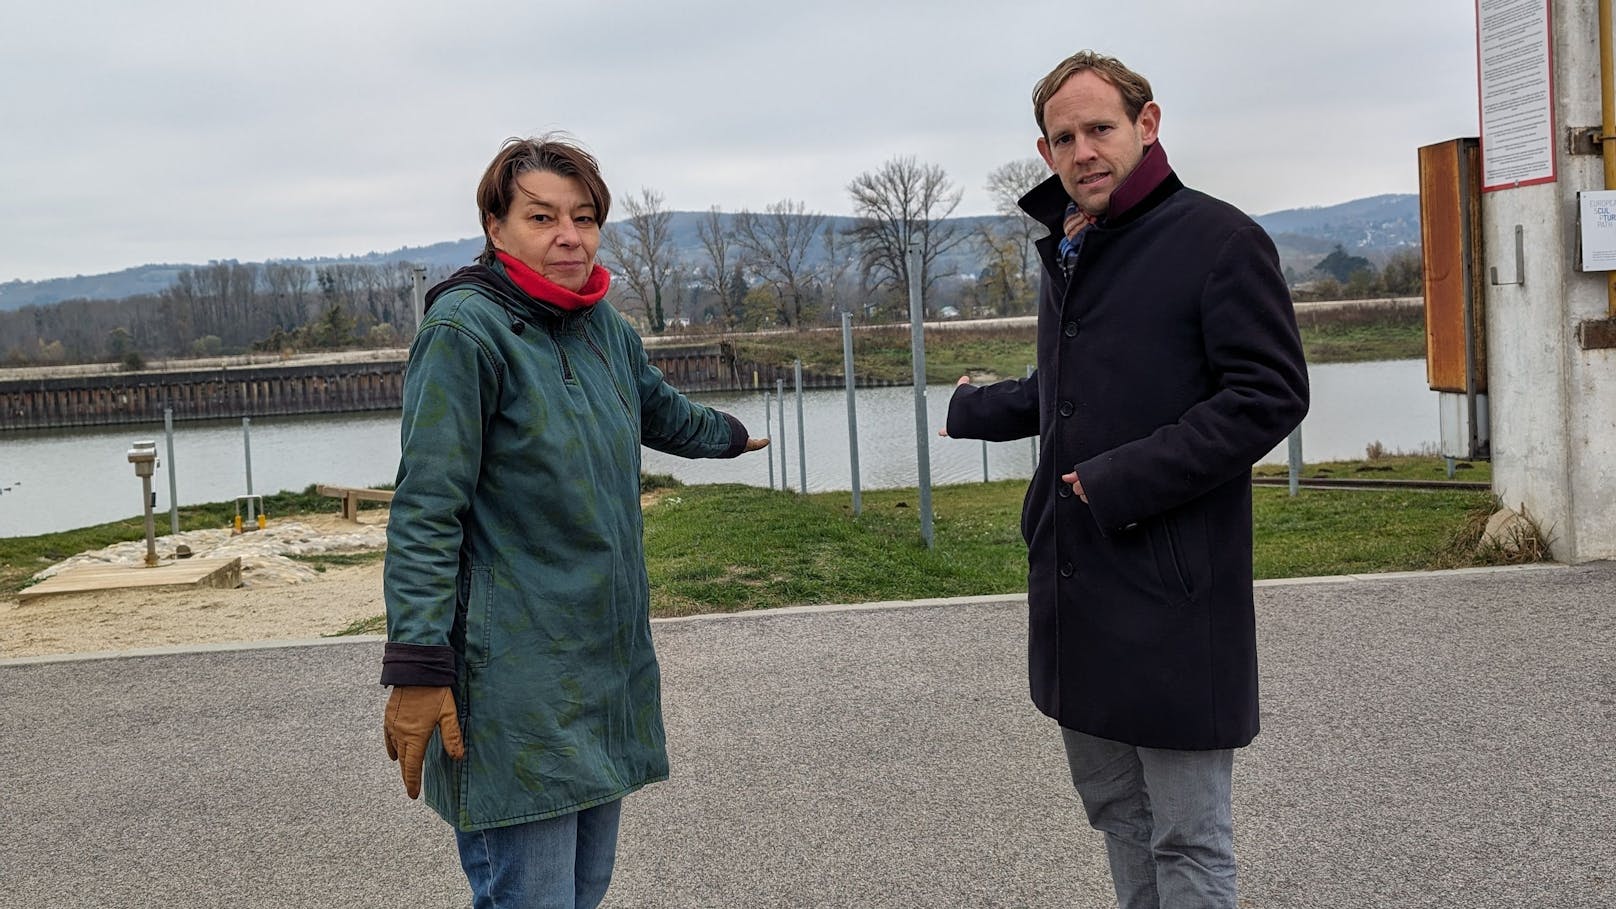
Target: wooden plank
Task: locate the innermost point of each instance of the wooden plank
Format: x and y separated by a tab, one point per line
357	492
1449	232
224	574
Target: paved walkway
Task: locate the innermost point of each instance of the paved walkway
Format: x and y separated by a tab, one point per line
1429	741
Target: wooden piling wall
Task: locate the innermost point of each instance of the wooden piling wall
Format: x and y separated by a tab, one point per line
276	389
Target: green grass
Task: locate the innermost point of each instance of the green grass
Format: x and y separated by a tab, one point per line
1359	334
320	561
1364	343
1348	335
728	547
376	624
725	548
1387	467
1338	531
884	354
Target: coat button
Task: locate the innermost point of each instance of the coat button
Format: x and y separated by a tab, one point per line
1067	570
1066	409
1065	491
1071	329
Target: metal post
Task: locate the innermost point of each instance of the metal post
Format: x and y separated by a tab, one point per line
1607	109
852	409
246	447
917	344
768	432
780	398
984	460
144	456
802	437
1294	456
418	293
173	486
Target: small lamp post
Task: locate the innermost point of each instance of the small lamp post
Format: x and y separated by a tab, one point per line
144	457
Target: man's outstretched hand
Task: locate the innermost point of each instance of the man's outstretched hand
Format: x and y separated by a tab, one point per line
963	380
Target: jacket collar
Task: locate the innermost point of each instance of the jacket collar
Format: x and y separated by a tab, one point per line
1151	181
497	285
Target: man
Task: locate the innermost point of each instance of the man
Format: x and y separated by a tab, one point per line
1168	363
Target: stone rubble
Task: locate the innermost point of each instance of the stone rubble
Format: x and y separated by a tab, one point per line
263	553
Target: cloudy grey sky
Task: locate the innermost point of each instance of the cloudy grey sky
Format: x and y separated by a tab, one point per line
190	130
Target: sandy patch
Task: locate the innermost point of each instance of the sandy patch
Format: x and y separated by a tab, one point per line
280	600
280	604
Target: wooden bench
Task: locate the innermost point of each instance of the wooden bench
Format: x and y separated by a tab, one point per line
351	496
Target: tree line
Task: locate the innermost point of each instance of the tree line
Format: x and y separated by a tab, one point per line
783	266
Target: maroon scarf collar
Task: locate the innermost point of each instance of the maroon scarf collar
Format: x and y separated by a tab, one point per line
1149	174
539	287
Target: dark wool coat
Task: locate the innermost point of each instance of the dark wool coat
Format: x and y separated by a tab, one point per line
1168	364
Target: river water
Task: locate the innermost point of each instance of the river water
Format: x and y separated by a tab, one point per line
59	480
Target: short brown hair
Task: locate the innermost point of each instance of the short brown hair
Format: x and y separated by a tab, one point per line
545	154
1135	88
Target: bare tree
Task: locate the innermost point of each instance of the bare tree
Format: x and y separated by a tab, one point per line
287	283
902	201
641	251
777	242
1006	184
719	273
831	272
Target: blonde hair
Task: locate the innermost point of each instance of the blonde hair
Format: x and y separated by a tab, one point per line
1135	88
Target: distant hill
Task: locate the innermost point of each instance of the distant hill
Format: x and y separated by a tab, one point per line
1374	227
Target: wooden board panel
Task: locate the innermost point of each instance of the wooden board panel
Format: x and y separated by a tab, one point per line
1449	222
218	573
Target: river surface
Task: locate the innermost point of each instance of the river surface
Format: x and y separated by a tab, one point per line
58	480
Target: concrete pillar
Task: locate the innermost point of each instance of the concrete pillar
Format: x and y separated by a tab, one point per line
1553	403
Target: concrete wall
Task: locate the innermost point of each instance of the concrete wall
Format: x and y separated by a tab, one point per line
1553	404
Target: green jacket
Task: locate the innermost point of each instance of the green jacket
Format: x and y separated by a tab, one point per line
515	562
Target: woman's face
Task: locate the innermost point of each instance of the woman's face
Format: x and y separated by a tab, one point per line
551	228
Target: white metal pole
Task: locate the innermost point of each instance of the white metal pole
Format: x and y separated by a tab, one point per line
173	484
780	398
852	408
917	344
802	437
768	432
246	446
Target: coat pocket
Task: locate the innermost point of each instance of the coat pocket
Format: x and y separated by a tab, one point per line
1172	560
479	615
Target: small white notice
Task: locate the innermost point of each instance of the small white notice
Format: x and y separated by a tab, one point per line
1517	93
1597	214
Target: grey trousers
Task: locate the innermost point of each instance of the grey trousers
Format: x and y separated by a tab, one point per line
1167	817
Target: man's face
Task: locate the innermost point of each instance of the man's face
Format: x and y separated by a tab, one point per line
1090	142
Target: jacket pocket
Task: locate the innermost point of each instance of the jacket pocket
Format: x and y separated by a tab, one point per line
1173	560
479	615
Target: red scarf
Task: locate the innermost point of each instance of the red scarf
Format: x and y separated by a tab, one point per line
539	287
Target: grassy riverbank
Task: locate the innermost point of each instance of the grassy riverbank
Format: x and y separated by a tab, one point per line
1349	334
722	548
734	547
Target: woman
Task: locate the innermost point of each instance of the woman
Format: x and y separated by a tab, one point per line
519	642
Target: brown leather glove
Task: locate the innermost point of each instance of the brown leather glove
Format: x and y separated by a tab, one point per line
413	711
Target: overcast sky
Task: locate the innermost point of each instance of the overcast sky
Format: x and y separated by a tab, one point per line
189	130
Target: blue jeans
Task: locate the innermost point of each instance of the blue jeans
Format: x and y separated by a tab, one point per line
561	863
1167	819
